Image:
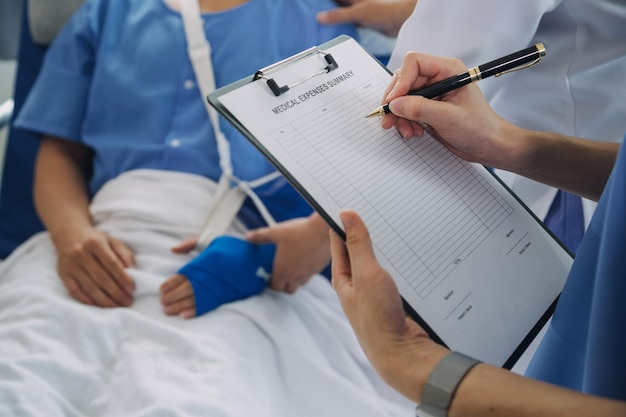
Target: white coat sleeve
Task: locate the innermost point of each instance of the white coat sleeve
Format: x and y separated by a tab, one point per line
474	31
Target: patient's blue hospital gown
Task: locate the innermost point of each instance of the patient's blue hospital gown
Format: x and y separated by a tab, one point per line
585	345
118	80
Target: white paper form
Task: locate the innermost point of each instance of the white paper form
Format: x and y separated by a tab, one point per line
468	258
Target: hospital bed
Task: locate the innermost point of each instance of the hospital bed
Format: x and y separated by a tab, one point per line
271	355
40	22
18	220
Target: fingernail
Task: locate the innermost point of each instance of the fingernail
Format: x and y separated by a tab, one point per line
186	315
391	94
346	219
406	132
387	122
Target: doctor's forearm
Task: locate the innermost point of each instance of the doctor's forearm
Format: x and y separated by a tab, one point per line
577	165
491	391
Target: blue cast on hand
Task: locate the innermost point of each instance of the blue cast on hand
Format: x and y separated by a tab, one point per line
227	270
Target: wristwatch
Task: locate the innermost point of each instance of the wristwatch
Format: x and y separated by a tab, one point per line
442	383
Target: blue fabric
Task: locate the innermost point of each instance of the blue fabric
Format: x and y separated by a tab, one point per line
227	270
118	80
566	219
585	345
281	199
18	219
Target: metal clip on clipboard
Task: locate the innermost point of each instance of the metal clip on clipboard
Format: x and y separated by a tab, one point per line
278	90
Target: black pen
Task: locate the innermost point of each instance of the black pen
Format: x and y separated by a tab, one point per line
513	62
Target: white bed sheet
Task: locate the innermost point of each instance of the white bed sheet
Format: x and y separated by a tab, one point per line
270	355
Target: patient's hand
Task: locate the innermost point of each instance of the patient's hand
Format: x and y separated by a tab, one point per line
91	265
302	249
385	16
177	297
186	246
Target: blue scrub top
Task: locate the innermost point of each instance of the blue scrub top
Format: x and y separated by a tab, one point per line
585	345
118	80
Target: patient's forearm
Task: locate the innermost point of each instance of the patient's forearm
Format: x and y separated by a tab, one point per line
60	189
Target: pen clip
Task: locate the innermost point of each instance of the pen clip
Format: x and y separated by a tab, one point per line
541	50
530	64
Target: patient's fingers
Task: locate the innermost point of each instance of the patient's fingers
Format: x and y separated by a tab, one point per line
288	282
87	267
123	252
261	236
89	280
175	289
177	297
106	270
112	265
187	314
172	282
186	246
185	305
75	290
80	282
91	265
301	250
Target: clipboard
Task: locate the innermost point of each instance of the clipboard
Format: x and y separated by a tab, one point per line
475	268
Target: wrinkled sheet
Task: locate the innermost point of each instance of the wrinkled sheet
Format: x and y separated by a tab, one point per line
270	355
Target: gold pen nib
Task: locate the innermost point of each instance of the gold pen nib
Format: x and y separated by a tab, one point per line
378	112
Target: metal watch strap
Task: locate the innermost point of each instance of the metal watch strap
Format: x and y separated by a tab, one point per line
442	383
